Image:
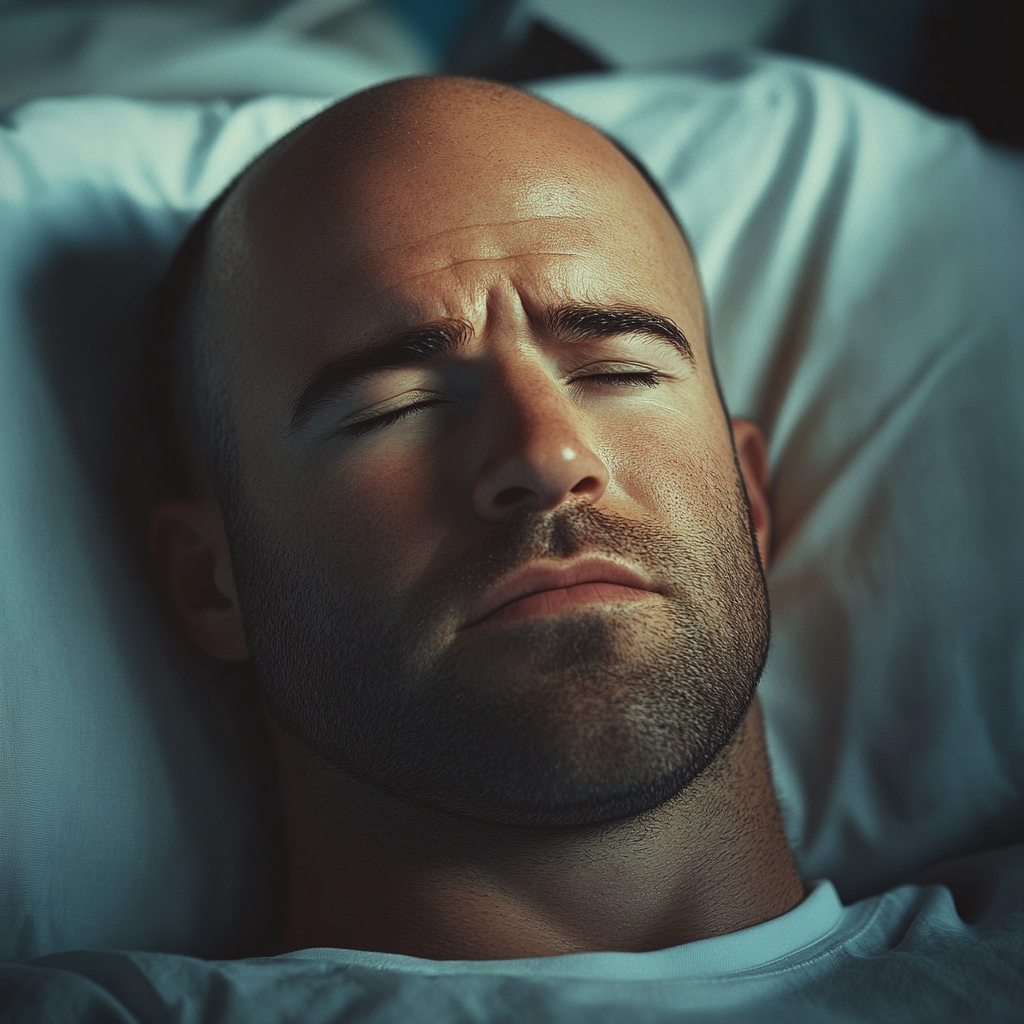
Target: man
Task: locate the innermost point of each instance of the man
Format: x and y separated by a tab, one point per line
469	499
461	485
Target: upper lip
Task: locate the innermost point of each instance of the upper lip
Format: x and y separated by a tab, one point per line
535	578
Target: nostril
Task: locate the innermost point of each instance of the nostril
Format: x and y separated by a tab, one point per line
511	496
586	485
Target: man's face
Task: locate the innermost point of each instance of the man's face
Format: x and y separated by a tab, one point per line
509	571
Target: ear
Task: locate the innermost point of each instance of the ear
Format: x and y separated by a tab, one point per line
190	546
752	454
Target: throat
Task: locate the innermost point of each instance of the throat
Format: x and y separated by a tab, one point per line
372	872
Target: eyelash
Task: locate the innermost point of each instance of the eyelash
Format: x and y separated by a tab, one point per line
635	378
368	426
632	378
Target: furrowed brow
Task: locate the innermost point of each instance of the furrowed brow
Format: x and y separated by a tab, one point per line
340	376
577	323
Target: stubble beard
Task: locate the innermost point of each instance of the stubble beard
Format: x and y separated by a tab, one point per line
564	721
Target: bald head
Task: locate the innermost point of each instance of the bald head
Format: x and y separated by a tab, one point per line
429	151
344	196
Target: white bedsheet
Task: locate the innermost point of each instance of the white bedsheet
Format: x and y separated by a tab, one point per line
863	268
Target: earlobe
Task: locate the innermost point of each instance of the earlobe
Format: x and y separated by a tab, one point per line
190	546
752	455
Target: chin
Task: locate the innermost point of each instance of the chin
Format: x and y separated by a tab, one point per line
580	729
549	799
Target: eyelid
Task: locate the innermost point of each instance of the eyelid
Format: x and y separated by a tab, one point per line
613	366
373	423
386	406
629	345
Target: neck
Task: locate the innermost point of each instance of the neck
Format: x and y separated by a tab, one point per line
372	872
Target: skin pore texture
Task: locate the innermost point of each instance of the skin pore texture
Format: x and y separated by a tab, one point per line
486	537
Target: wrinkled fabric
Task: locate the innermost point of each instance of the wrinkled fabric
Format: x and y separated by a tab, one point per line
918	953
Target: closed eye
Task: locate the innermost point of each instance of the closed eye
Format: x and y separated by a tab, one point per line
374	423
632	378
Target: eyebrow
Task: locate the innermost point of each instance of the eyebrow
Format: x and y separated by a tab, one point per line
446	337
339	376
579	323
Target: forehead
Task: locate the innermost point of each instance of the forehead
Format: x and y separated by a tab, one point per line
329	249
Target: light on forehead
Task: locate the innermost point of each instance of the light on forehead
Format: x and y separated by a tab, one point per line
389	266
324	244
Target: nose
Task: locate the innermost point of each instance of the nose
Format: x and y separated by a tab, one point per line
539	458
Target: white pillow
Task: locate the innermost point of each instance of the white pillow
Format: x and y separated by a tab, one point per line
862	262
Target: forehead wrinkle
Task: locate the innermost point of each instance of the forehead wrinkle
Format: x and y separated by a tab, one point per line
544	219
437	251
495	260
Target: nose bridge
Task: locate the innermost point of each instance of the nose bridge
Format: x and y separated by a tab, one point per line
533	398
538	455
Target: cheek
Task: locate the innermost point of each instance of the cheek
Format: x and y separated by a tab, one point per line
384	513
672	465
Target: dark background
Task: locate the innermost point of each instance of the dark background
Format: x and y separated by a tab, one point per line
963	58
959	57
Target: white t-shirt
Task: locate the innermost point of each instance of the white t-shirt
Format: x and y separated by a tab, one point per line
952	950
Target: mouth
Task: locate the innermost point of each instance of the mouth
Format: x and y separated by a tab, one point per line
550	588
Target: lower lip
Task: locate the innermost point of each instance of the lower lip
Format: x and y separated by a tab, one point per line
564	600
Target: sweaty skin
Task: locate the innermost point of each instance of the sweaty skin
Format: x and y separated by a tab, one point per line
458	202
